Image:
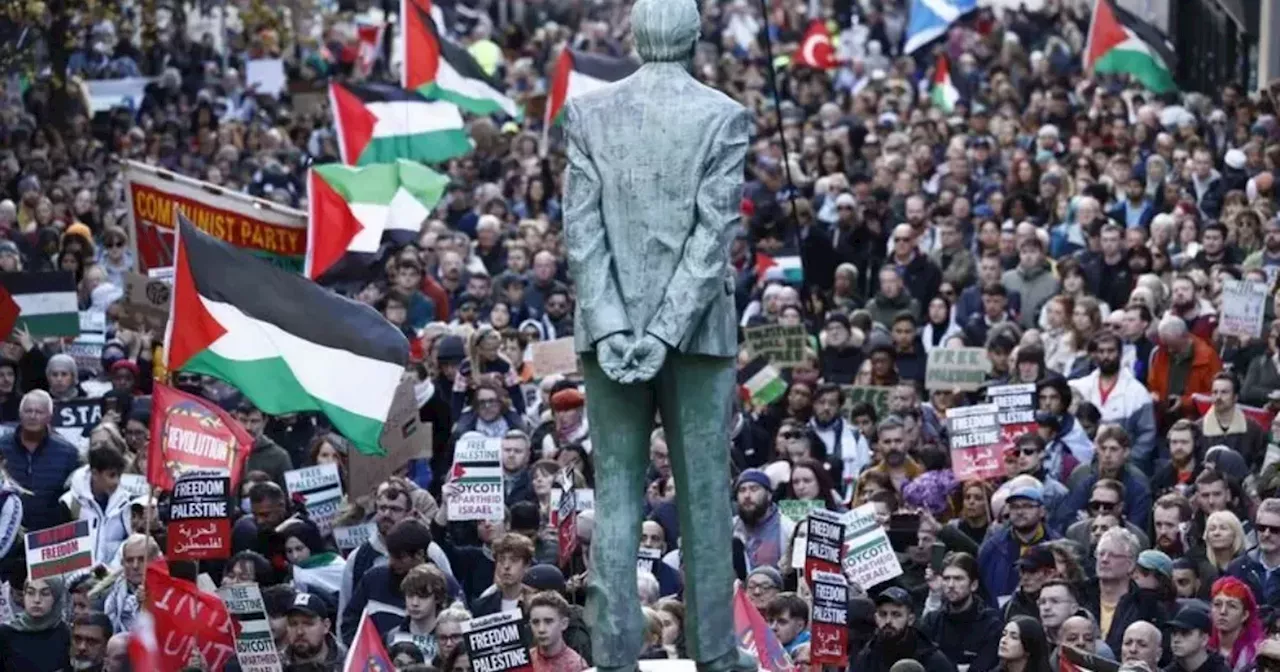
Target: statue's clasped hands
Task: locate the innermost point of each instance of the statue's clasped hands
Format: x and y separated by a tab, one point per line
627	359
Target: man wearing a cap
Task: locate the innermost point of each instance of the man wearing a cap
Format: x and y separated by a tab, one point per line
999	554
309	638
897	638
1035	568
1189	643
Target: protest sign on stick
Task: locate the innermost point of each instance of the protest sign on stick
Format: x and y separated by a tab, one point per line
976	442
1017	411
477	479
321	490
255	645
963	369
823	543
1243	305
829	619
200	516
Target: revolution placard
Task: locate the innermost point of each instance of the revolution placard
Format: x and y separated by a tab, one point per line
200	516
498	643
477	477
188	432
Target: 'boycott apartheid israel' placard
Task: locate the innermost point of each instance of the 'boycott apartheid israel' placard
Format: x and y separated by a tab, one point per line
200	517
255	646
61	549
963	369
477	477
498	643
975	442
1017	414
869	559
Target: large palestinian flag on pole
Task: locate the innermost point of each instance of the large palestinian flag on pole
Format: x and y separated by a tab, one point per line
441	69
287	343
579	72
377	123
1121	43
352	210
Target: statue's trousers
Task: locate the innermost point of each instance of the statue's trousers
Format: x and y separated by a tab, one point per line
693	393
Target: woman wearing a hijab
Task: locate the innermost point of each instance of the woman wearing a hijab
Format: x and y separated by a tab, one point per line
64	378
315	567
1024	646
37	639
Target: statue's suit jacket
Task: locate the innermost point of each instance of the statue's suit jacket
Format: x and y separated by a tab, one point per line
652	196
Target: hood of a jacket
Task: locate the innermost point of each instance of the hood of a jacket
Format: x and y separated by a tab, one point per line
81	490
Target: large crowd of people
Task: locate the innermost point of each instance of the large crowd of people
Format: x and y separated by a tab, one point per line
1077	228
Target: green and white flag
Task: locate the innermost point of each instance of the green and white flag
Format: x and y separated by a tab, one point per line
47	302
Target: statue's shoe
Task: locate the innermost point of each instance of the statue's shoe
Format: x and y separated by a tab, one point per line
736	660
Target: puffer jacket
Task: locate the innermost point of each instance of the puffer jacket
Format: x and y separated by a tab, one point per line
112	523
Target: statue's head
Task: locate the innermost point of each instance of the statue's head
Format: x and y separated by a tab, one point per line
665	30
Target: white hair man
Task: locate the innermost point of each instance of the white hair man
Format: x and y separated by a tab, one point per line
39	461
1182	365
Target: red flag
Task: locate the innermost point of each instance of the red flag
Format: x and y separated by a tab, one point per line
369	38
144	651
757	637
815	49
9	311
367	654
185	618
190	432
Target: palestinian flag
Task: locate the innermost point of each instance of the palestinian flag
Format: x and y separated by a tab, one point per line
377	123
761	382
1121	43
287	343
786	269
441	69
351	210
579	72
943	94
46	300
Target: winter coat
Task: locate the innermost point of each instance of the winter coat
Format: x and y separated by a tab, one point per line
43	472
1128	405
1036	285
267	456
1262	376
968	637
1137	492
1205	364
875	658
883	309
379	585
43	651
112	524
1133	607
998	560
921	278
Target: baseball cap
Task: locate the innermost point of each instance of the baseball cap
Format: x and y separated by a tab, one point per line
1032	493
895	595
544	577
1190	618
306	603
1155	561
1036	558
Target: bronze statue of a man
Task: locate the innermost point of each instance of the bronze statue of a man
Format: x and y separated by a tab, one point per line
652	196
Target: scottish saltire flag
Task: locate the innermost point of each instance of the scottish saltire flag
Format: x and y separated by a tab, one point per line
929	19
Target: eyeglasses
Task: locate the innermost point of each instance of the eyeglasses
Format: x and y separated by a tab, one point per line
112	244
1102	506
901	240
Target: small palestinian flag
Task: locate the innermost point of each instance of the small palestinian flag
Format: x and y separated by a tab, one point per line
943	94
1121	43
579	72
786	269
377	123
352	210
441	69
761	383
47	303
815	49
287	343
369	38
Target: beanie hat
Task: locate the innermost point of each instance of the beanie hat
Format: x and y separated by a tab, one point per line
753	476
769	572
567	400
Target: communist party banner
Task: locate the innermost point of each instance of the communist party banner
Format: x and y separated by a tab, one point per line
189	432
187	618
269	230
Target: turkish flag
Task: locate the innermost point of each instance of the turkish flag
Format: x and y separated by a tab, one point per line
815	49
185	618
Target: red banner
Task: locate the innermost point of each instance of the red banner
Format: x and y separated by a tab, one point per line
755	635
190	432
187	618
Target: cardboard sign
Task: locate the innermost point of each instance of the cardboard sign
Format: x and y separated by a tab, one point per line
255	645
963	369
321	490
134	484
1243	305
647	559
869	559
556	357
350	537
876	395
62	549
86	349
976	443
498	643
200	516
477	473
798	509
189	432
783	346
73	419
1017	414
829	619
403	438
823	542
145	304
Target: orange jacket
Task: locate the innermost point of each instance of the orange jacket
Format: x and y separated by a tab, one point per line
1205	364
